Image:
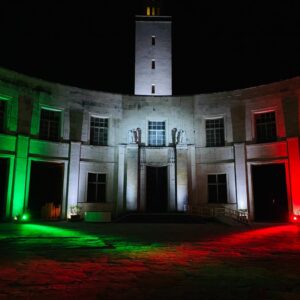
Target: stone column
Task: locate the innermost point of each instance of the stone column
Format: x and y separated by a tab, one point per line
121	178
192	191
182	177
172	180
132	177
73	178
241	175
20	174
294	166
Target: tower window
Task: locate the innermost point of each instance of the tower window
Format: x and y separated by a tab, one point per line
153	40
98	131
148	11
153	64
153	89
156	133
217	188
215	132
153	11
265	125
96	189
50	125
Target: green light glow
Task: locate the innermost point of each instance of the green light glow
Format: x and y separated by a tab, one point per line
52	237
20	175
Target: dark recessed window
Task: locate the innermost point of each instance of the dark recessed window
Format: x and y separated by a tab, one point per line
2	115
217	188
96	190
50	125
215	132
153	64
98	131
153	89
265	127
156	133
153	40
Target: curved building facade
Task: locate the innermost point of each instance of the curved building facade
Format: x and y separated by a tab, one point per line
62	146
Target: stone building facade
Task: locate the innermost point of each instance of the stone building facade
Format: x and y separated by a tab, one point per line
149	152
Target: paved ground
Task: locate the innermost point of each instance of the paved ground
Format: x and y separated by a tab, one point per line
149	261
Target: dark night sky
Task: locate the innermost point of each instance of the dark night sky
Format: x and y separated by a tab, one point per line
216	45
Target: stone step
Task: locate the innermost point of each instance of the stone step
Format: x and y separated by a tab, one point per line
160	218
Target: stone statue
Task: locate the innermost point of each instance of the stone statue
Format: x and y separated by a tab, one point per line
181	137
131	136
134	136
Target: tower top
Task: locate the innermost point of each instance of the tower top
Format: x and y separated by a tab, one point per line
152	7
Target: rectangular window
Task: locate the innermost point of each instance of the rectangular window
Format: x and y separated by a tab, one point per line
215	132
2	115
153	64
156	133
148	11
265	126
153	89
217	188
50	125
96	189
98	131
153	40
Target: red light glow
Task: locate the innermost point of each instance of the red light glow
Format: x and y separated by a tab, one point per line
295	218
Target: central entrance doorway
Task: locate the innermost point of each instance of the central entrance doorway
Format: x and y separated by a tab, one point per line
270	193
4	163
157	189
46	189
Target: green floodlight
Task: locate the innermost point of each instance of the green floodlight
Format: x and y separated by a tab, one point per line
25	217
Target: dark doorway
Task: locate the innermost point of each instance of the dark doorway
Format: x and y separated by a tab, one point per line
269	191
45	192
4	165
157	189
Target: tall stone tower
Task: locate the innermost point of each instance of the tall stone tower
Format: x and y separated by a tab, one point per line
153	52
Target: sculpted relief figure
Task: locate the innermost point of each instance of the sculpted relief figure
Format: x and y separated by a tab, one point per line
134	136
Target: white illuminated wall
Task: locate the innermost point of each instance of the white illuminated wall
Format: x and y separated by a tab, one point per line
161	52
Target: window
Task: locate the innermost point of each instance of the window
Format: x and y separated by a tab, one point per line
156	133
153	89
148	12
215	132
153	40
217	188
96	190
2	110
265	126
99	131
153	64
50	125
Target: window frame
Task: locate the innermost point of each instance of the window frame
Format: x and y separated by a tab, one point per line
152	89
217	184
107	128
153	40
97	183
60	125
156	130
215	144
261	140
153	64
3	122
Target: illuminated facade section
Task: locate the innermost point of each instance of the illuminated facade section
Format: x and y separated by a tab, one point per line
153	54
108	142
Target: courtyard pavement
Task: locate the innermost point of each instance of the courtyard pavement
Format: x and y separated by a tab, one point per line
68	260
